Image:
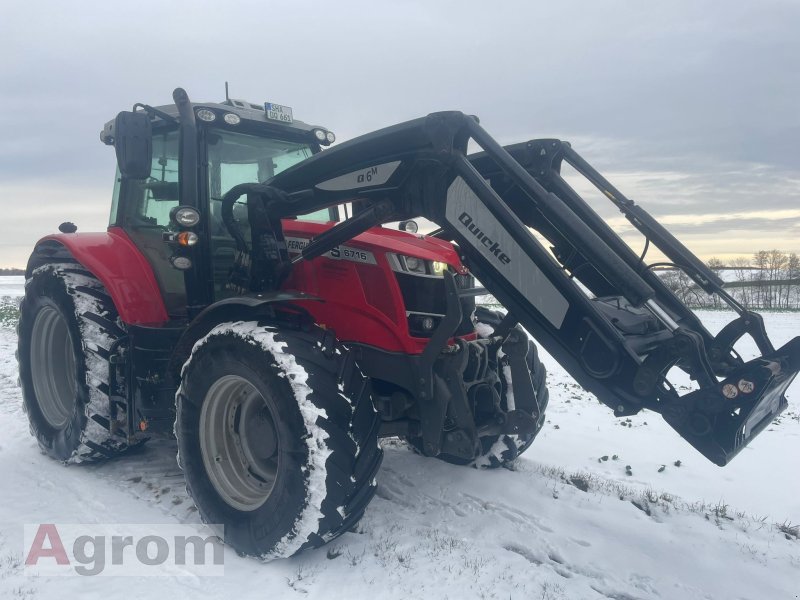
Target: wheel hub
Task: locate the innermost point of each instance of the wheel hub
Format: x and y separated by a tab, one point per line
53	367
238	442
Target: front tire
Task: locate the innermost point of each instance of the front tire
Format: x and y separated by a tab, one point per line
501	450
277	437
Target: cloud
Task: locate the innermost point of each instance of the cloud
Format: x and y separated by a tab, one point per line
689	107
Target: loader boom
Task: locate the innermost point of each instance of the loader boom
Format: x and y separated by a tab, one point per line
620	340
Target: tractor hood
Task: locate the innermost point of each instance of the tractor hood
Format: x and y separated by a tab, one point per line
382	239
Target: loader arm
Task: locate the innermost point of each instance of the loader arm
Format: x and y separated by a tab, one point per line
619	339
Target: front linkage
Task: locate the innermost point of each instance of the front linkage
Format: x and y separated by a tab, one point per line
619	341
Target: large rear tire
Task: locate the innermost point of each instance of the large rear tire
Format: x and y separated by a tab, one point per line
277	437
67	326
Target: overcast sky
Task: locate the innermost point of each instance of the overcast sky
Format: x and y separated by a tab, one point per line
691	108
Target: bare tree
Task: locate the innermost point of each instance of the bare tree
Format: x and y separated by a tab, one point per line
771	281
792	274
760	261
776	265
716	265
742	270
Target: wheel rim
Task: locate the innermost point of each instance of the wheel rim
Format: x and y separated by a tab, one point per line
238	442
53	367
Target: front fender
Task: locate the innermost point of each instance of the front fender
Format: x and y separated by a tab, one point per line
238	308
119	265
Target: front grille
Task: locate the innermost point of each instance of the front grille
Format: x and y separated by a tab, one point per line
424	296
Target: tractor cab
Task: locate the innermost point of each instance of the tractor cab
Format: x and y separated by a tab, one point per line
191	163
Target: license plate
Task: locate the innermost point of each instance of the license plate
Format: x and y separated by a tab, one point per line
276	112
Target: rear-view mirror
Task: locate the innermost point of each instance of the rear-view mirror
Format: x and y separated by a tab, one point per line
133	143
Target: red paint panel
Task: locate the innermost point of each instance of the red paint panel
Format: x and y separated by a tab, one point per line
114	259
380	239
363	302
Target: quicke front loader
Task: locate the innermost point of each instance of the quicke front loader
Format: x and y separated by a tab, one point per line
247	297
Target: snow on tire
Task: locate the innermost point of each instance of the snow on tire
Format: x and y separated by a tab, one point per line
277	437
68	325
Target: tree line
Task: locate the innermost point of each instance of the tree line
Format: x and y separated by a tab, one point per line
769	279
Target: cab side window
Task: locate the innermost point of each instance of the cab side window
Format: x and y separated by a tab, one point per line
147	206
159	192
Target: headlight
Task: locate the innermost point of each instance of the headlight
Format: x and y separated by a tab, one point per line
414	265
330	137
320	135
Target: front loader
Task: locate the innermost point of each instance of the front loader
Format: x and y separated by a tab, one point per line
248	297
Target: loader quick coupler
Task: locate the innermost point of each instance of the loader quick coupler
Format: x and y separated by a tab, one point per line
720	420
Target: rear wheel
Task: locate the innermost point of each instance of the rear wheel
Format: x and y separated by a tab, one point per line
68	326
277	437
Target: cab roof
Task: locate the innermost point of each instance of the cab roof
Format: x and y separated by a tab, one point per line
248	112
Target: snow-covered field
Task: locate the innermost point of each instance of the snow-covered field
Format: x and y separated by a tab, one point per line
12	286
438	531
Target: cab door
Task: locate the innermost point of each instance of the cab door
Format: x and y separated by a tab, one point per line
143	210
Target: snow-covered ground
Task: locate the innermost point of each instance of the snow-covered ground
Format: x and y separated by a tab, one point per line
438	531
12	286
760	480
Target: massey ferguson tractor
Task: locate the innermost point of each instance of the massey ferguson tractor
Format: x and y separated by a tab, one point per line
248	298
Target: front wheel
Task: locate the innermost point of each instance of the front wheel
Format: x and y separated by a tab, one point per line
500	450
277	437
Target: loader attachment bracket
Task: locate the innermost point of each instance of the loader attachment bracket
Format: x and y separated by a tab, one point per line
720	420
748	323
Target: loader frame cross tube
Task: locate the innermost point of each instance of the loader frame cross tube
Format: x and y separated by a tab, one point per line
487	203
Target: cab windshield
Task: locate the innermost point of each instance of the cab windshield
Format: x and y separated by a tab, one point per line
233	158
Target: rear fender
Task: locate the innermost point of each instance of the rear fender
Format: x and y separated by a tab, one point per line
116	261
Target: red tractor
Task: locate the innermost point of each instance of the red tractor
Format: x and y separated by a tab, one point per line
247	298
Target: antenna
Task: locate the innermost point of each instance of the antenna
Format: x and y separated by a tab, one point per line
227	98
